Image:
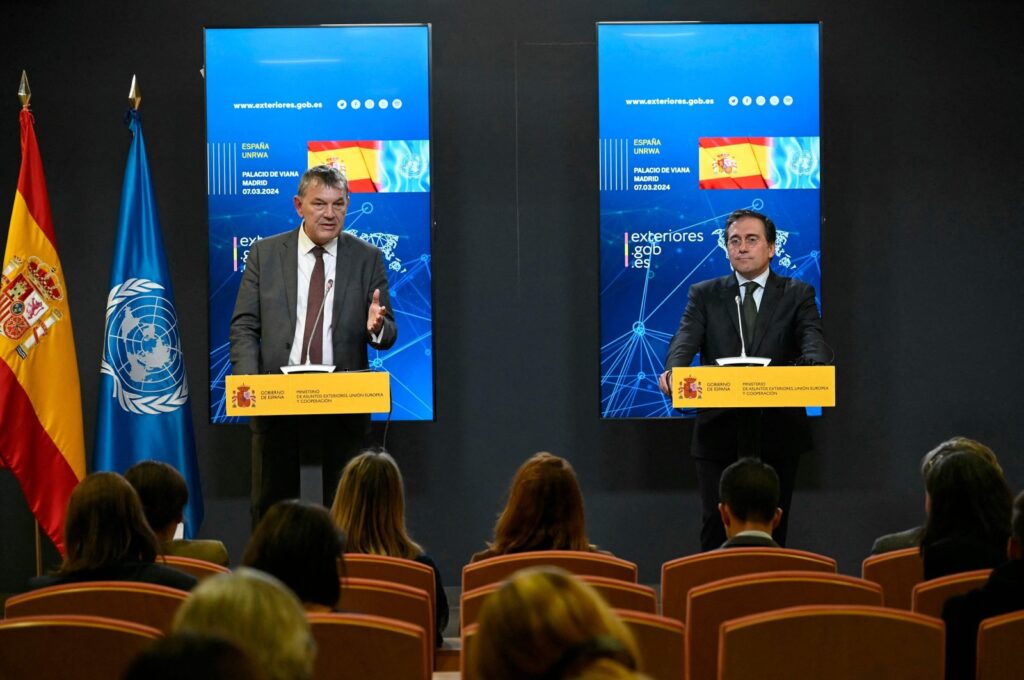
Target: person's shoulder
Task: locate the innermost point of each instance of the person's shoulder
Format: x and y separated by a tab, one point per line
208	550
717	284
908	538
353	244
483	555
789	282
285	237
424	558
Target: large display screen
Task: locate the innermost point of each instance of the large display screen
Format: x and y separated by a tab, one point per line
696	120
280	100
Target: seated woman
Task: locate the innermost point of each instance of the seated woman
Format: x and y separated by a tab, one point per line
369	507
969	505
259	614
298	543
544	511
545	623
107	538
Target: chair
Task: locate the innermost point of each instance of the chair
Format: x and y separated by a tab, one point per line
834	642
618	594
358	646
928	596
59	647
467	668
897	572
198	568
495	569
390	600
394	570
661	641
711	604
679	575
143	603
999	640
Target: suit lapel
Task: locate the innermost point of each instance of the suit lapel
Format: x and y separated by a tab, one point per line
290	269
730	289
343	281
769	303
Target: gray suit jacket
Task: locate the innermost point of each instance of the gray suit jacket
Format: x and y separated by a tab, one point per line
263	323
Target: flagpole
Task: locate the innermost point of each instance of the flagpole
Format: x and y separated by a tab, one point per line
134	94
39	551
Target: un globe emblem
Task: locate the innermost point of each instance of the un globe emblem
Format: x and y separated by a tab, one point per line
142	352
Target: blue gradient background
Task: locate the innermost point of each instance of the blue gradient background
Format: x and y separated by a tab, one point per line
322	64
641	308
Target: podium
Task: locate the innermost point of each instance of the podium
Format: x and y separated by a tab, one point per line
753	386
308	393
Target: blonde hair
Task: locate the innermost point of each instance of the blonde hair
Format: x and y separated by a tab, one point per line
545	623
369	507
258	613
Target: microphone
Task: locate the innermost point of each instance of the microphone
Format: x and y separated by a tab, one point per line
319	313
739	317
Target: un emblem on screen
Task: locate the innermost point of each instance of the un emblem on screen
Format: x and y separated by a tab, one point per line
142	352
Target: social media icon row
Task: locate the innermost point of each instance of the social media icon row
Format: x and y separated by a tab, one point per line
356	104
761	100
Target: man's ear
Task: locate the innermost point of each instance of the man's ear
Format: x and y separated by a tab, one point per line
776	518
723	511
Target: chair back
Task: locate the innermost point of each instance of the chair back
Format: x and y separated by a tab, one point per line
496	569
617	593
190	565
358	646
999	642
394	570
711	604
678	576
661	641
80	647
897	572
467	670
144	603
390	600
836	642
928	597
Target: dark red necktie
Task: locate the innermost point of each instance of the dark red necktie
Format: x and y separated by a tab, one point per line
314	319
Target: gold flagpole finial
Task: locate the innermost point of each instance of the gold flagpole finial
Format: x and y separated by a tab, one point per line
134	94
24	91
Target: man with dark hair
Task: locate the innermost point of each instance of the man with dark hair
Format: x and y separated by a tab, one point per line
164	495
310	295
781	322
750	504
911	538
1002	593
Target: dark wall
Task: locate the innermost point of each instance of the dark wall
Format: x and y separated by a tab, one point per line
923	183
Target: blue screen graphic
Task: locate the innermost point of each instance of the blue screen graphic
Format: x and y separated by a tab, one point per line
279	100
696	120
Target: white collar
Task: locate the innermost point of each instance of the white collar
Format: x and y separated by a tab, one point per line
306	244
760	280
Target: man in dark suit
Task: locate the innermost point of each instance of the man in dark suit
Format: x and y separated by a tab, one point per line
1002	593
310	295
781	322
750	504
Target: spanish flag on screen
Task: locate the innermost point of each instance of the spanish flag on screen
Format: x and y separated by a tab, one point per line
735	162
358	160
41	437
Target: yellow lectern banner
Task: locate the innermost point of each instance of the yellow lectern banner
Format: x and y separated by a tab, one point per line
308	393
748	386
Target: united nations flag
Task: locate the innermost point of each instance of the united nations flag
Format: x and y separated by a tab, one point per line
144	411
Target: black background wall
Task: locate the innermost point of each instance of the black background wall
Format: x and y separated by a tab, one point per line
923	185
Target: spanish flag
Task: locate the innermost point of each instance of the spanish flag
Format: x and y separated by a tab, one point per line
41	437
735	162
358	160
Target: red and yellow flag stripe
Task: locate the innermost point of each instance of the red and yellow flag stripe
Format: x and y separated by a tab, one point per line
359	160
735	162
41	437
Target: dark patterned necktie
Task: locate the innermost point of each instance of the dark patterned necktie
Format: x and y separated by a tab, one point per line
749	310
314	319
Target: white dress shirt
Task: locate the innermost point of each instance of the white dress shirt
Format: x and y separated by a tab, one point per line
307	260
758	292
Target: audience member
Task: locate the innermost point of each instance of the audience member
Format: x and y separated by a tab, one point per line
107	538
1002	593
749	493
195	657
911	538
164	495
369	506
969	506
545	623
544	511
298	543
259	614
